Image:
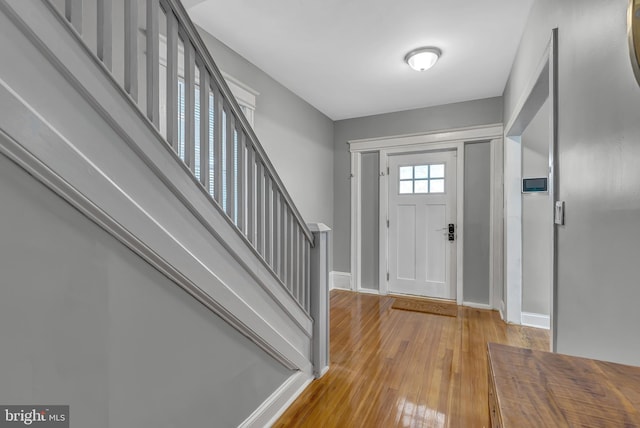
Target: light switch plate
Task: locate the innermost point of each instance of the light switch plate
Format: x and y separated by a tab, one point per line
558	217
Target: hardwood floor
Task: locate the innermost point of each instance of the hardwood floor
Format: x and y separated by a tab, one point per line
395	368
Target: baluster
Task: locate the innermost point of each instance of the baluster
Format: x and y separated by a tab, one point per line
211	138
274	228
290	253
268	213
217	144
172	79
260	206
307	303
294	260
105	28
204	126
251	214
73	13
283	240
153	60
189	105
235	180
130	48
229	145
303	290
240	179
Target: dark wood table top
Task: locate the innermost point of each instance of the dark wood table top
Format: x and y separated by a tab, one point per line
544	389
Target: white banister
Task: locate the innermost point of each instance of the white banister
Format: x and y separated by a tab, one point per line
205	126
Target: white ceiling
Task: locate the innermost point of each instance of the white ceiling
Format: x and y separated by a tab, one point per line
346	57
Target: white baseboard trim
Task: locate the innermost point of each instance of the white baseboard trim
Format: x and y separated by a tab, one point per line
369	291
274	406
501	310
341	280
323	371
536	320
477	305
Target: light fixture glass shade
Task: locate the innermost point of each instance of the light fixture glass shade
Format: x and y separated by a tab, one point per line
422	59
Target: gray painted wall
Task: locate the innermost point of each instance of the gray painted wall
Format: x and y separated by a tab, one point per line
598	128
297	137
85	322
537	218
477	222
470	113
370	220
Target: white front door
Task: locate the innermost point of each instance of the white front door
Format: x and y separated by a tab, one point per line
422	205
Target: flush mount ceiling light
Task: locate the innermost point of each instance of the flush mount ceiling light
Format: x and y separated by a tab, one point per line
422	59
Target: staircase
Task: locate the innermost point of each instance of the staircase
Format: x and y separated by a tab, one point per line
117	108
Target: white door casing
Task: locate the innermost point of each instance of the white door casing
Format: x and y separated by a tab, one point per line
422	204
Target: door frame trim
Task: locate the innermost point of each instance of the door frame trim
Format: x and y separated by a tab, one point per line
439	140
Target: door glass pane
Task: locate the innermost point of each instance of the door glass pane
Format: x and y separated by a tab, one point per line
422	171
437	171
406	187
436	186
422	186
406	172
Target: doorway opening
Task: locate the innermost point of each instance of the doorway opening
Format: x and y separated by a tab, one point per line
530	188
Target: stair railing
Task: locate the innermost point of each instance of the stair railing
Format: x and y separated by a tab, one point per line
161	62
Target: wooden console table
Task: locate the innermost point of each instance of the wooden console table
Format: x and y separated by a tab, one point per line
541	389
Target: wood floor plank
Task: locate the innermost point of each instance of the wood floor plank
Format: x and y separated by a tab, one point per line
392	368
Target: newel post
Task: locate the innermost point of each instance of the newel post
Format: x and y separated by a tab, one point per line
320	297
